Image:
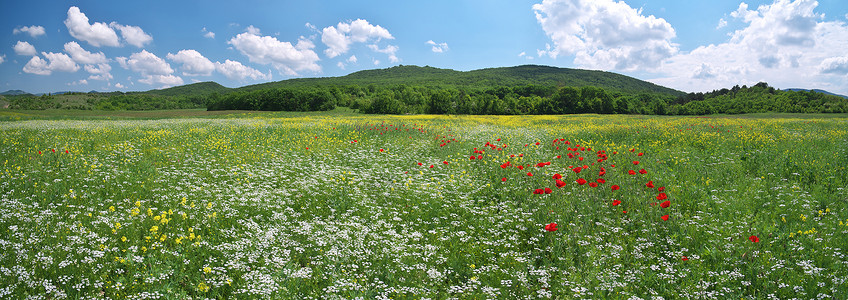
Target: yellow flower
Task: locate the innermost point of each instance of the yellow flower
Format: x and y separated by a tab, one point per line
202	287
112	208
123	239
163	237
138	203
154	228
207	270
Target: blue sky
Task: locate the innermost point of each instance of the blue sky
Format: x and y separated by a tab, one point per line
50	46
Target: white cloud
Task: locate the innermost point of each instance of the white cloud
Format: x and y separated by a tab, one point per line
252	30
376	62
82	56
721	23
236	71
340	37
119	85
145	63
79	82
99	72
97	34
524	55
2	58
24	48
134	35
786	44
390	50
834	65
282	55
605	34
194	64
57	62
165	80
341	65
438	47
208	34
352	59
33	31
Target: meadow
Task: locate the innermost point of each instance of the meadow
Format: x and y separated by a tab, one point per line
345	206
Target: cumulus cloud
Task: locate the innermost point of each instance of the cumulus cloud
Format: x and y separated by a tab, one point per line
352	59
2	58
721	23
24	48
208	34
99	71
193	63
339	38
146	63
97	34
165	80
605	34
390	50
237	71
54	62
119	85
835	65
33	31
133	34
100	34
82	56
284	56
786	44
438	47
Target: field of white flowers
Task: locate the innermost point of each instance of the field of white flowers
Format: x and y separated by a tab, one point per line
289	206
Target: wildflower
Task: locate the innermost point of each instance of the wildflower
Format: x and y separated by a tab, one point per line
665	204
503	179
615	187
577	169
529	174
548	191
631	172
538	191
560	183
650	184
685	258
635	162
616	202
664	218
557	176
581	181
754	239
551	227
643	171
662	196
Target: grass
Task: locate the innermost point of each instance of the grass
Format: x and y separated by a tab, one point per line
336	205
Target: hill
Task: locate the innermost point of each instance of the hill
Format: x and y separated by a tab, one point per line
13	93
483	78
817	91
195	89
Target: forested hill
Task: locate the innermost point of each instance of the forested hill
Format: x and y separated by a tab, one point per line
483	78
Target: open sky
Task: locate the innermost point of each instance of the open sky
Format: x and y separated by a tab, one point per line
48	46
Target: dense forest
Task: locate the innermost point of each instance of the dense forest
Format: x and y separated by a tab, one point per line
425	90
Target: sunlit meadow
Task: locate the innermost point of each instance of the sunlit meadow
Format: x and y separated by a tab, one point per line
297	206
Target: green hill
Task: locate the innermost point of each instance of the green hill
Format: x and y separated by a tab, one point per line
195	89
483	78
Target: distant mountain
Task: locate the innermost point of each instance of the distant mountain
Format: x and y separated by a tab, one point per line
817	91
200	88
486	78
13	93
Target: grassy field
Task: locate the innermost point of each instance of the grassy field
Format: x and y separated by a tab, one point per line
340	205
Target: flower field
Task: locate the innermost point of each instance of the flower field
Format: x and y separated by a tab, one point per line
311	206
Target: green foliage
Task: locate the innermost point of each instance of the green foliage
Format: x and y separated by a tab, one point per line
757	99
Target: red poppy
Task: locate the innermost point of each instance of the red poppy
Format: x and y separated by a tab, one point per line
581	181
616	202
631	172
635	162
640	154
503	179
601	180
445	162
381	150
538	191
650	184
548	191
643	171
685	258
593	184
754	239
664	218
39	152
662	188
665	204
420	164
529	174
560	183
614	187
479	157
662	196
472	157
577	169
557	176
54	150
551	227
541	164
498	140
537	143
520	167
431	166
66	151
